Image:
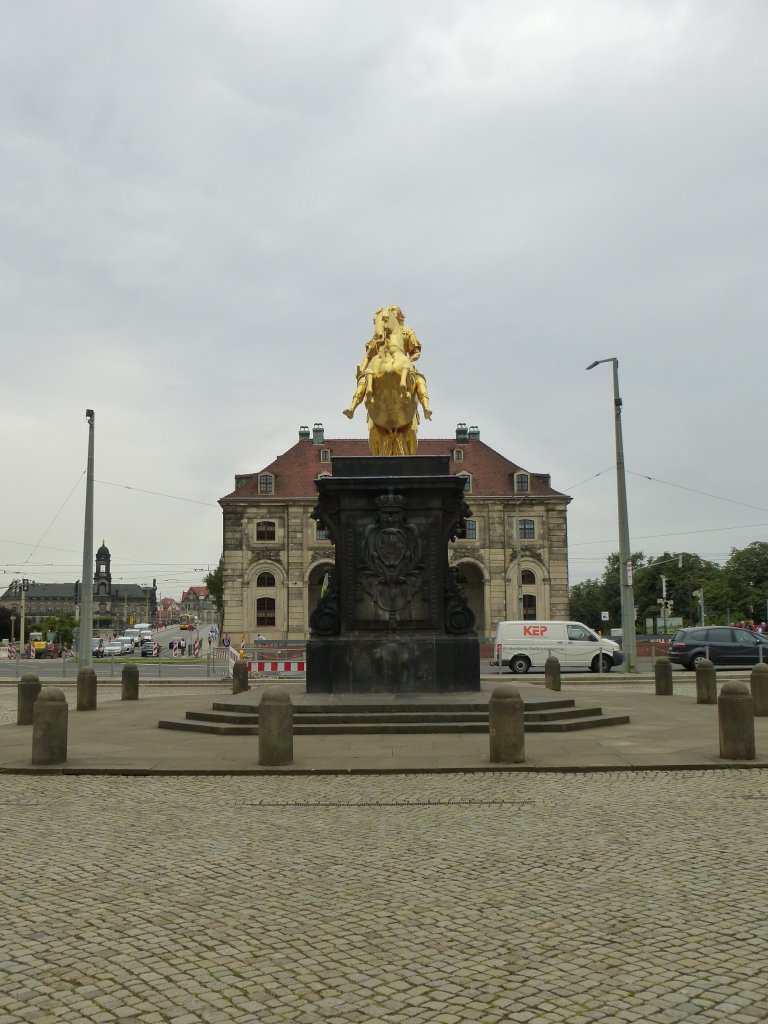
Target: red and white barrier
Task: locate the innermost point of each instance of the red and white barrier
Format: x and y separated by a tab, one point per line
264	667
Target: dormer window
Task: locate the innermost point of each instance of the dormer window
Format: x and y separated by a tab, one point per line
521	482
467	481
266	483
458	455
325	454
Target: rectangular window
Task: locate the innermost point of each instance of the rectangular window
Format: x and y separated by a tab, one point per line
526	528
521	482
468	531
266	483
265	531
265	611
325	455
321	533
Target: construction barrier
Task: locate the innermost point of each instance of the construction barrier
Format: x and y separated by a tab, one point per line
263	667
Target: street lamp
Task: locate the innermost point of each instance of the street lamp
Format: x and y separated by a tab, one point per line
85	654
628	639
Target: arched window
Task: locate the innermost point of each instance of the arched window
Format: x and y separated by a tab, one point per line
526	528
458	455
265	611
266	483
529	606
265	531
528	578
325	454
265	579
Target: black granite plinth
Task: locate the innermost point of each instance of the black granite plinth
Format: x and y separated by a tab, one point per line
402	663
394	618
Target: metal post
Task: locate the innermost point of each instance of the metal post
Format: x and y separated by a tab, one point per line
85	655
628	638
23	613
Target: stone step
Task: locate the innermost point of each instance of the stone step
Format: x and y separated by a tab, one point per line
391	717
222	727
393	708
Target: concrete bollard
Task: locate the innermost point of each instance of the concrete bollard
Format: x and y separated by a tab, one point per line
506	725
662	671
552	673
49	727
86	689
275	726
28	689
240	677
736	722
130	683
706	682
758	686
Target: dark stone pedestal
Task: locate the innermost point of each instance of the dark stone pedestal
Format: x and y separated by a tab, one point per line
394	619
402	663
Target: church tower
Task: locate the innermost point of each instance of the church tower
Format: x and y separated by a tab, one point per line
102	578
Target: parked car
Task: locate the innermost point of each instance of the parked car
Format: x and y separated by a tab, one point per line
127	644
114	647
148	649
723	645
178	640
97	647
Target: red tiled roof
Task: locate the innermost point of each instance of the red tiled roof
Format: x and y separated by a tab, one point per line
296	470
200	592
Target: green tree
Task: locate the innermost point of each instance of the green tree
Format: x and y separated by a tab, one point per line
587	603
684	573
61	624
215	582
745	582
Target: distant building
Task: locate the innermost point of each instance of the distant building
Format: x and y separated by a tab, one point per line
168	611
513	558
114	607
197	601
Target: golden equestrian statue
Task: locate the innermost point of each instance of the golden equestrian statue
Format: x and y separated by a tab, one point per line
391	386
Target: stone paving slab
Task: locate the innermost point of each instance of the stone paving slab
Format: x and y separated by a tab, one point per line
664	732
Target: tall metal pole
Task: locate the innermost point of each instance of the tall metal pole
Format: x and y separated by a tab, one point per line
628	637
85	655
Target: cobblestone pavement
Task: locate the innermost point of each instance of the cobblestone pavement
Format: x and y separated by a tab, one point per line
431	899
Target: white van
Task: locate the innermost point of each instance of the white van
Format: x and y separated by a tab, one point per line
526	645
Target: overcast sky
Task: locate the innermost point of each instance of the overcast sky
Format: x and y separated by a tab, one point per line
203	202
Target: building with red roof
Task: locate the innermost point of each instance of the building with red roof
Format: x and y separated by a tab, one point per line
512	560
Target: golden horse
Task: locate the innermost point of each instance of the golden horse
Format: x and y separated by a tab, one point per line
390	386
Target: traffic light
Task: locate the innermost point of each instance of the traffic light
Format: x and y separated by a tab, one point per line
25	585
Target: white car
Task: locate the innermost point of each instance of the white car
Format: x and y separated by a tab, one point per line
112	648
127	643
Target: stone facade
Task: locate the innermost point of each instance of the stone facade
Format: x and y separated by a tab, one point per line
513	561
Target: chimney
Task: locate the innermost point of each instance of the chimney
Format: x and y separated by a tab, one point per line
318	433
474	433
462	434
303	433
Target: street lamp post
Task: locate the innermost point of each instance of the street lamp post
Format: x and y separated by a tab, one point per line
85	654
628	639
